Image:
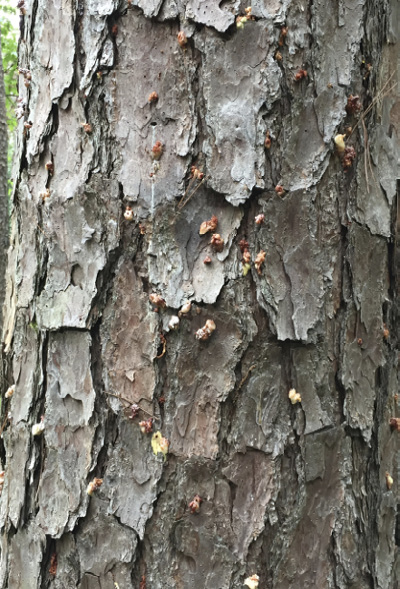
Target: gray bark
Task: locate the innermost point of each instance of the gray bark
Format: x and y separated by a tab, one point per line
294	493
3	187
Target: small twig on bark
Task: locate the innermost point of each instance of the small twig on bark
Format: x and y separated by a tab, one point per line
381	94
121	398
182	203
191	182
246	376
243	381
43	231
367	156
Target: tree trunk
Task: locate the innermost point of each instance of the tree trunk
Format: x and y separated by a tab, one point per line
3	187
295	493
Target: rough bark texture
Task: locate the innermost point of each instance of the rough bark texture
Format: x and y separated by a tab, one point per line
294	493
3	188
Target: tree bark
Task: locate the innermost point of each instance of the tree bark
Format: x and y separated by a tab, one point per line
3	187
295	493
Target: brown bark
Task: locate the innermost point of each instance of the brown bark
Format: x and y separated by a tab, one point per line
295	493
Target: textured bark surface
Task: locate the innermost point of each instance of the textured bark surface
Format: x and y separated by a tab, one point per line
294	493
3	187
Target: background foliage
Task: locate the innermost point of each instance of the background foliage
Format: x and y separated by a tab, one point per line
9	46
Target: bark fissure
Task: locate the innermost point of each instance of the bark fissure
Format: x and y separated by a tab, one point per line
296	493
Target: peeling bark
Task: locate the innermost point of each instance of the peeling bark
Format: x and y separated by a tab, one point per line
293	492
3	186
